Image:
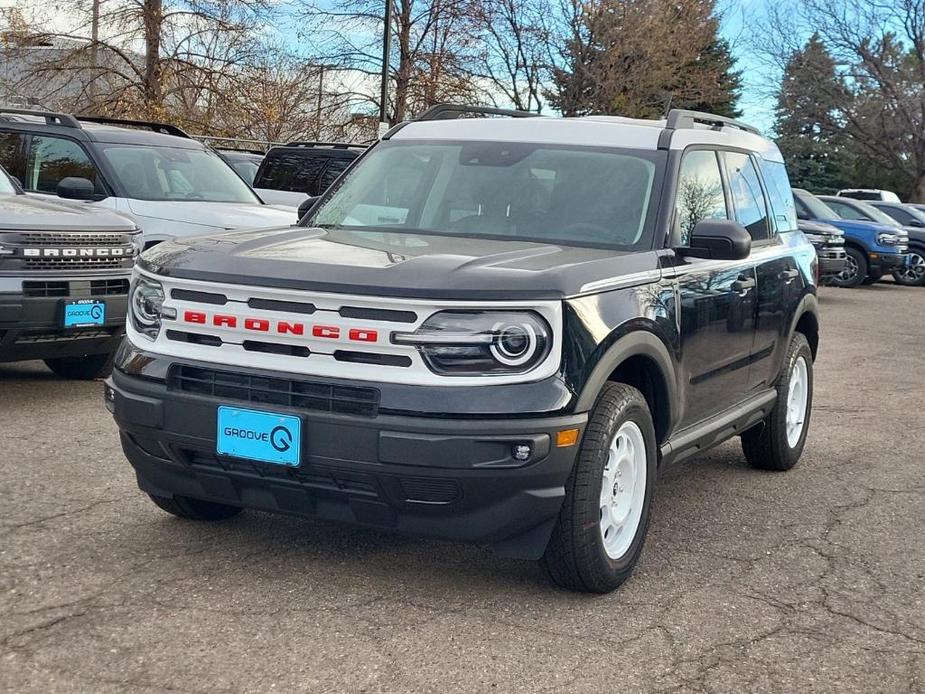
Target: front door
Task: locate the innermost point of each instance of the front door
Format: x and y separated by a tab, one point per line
716	298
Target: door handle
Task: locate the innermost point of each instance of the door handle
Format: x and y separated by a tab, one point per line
789	275
742	285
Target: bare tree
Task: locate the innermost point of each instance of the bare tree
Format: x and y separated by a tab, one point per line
509	49
879	52
428	45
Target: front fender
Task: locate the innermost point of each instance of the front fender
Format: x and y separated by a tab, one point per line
639	343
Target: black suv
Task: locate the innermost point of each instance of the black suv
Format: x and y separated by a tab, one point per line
64	280
490	330
305	167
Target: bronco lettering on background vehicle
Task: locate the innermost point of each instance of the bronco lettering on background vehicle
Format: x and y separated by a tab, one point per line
489	330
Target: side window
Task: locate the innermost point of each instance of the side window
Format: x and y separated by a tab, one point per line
779	194
845	211
11	151
747	198
700	193
802	210
334	169
900	215
53	158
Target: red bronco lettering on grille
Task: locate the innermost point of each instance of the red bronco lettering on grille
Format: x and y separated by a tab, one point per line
280	327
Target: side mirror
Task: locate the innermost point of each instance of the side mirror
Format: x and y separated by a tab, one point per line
916	223
718	239
307	204
76	188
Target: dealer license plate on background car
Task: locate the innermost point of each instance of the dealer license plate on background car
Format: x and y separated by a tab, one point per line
255	435
84	312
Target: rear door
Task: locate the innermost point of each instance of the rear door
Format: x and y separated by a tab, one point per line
717	306
764	205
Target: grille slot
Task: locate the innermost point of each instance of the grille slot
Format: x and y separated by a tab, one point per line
199	297
71	239
275	305
372	358
378	314
81	288
304	395
194	338
34	336
428	490
77	263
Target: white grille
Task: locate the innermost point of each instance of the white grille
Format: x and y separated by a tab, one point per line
311	354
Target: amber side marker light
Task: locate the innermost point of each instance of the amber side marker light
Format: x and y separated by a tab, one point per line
566	438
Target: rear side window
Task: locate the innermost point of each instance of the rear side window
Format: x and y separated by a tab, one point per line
899	214
747	197
52	159
846	211
11	154
779	195
700	193
302	171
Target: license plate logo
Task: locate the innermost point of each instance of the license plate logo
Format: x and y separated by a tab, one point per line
254	435
84	312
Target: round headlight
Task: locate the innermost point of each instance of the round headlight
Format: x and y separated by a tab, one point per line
514	344
147	298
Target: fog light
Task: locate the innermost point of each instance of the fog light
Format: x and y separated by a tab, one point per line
109	397
521	451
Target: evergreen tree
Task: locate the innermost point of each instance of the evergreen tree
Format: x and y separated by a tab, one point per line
808	127
633	57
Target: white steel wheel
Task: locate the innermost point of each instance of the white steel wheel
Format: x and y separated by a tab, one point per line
623	489
797	399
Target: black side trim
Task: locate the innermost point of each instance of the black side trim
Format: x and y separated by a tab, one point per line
718	428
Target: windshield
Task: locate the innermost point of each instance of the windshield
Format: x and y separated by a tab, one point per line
246	168
501	190
875	214
816	208
172	173
6	185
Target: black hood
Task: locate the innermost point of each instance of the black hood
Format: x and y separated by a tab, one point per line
392	264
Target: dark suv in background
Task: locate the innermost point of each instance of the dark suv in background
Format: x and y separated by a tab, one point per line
306	168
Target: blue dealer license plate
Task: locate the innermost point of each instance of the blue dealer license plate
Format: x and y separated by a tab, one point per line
254	435
84	312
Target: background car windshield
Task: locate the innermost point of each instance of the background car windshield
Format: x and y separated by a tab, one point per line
816	208
172	173
517	190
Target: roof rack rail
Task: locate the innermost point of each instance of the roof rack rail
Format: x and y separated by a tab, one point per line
679	118
453	111
163	128
223	143
51	117
312	143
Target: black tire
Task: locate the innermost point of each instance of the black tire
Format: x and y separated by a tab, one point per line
766	445
852	275
575	557
912	275
872	279
84	368
195	509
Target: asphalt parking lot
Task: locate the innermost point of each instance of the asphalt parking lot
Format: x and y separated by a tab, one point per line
810	580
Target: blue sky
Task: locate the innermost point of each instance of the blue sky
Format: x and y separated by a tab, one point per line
740	21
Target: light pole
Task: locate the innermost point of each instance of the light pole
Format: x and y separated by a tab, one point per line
386	54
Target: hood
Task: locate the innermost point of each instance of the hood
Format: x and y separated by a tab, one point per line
218	215
28	213
819	228
854	225
915	233
393	264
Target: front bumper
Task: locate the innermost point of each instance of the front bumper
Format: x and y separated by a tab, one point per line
882	263
831	260
31	317
452	478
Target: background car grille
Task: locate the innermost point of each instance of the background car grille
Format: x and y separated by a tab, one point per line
304	395
72	239
75	263
76	288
